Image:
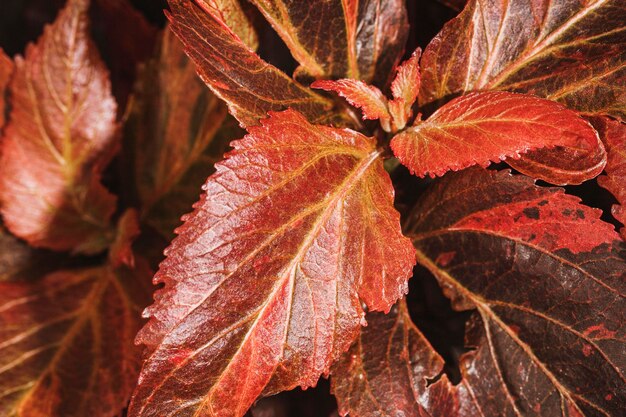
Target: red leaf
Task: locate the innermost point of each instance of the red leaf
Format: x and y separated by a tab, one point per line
66	342
263	286
231	13
368	98
479	128
121	251
250	86
613	134
549	332
568	51
60	136
360	40
6	69
405	88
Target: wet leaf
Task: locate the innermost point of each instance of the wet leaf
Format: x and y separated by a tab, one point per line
250	86
613	134
361	40
568	51
480	128
66	342
60	137
264	290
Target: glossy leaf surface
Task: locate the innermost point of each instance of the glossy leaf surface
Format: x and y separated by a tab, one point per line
66	342
6	69
60	136
568	51
263	290
514	251
480	128
250	86
174	118
357	39
613	134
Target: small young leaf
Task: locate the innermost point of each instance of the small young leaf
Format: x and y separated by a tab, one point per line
366	97
66	342
250	86
479	128
405	88
58	140
567	51
231	13
360	40
613	134
264	284
121	251
6	69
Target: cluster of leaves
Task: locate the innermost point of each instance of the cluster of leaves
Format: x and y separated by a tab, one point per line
295	243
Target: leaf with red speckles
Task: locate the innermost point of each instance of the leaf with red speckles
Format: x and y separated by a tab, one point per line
250	86
66	342
6	69
568	51
513	251
480	128
357	39
366	97
613	134
263	291
59	138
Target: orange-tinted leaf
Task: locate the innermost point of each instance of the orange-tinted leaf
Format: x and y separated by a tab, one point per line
479	128
59	138
6	69
357	39
250	86
366	97
405	88
264	284
173	119
66	342
568	51
121	251
538	266
613	134
232	13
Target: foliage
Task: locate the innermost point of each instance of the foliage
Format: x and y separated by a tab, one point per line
373	166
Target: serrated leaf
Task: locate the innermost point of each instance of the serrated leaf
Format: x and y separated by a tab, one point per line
6	69
250	86
264	284
366	97
568	51
360	40
538	266
233	15
613	134
405	89
66	342
479	128
58	140
173	119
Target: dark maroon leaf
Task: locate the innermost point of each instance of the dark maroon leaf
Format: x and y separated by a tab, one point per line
568	51
264	284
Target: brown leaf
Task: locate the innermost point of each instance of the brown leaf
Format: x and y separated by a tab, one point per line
547	278
264	284
361	40
6	69
233	15
479	128
613	134
250	86
18	261
66	342
59	138
121	251
568	51
173	119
